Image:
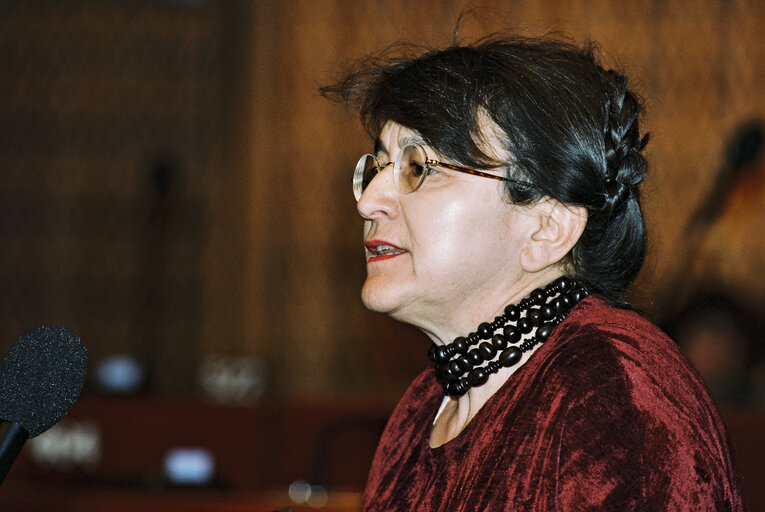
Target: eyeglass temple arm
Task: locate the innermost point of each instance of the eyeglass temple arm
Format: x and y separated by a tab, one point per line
381	168
471	171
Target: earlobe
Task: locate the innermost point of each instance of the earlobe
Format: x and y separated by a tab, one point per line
559	227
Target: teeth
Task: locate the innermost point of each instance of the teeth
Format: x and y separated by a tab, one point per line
387	250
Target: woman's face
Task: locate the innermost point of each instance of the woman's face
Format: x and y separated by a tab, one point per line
443	254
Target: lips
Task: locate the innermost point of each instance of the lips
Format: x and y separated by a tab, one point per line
380	250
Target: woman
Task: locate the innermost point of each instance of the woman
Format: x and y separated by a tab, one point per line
502	218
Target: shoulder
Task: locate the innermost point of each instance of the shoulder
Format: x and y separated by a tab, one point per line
611	368
603	353
597	340
594	322
633	406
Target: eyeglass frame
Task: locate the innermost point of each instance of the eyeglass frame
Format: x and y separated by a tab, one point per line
359	171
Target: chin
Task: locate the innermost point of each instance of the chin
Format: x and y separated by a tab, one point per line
373	302
380	297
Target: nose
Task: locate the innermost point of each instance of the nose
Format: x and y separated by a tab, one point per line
380	198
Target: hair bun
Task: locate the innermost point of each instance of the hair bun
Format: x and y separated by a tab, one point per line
624	162
616	195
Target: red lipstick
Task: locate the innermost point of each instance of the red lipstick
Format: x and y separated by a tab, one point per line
378	250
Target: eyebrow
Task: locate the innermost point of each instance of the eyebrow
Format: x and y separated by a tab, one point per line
411	139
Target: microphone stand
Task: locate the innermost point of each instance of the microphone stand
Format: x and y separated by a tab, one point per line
12	438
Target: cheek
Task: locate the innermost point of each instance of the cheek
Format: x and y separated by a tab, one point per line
453	238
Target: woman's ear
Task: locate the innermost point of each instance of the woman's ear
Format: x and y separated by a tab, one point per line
558	228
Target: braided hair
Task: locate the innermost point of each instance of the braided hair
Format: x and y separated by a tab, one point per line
568	126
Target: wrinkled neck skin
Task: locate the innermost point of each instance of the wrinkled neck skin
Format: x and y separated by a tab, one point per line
443	327
458	411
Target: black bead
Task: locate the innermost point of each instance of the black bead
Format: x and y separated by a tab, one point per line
510	357
460	344
535	316
567	301
577	295
487	350
485	331
456	388
512	334
475	357
477	377
538	296
512	313
493	367
441	354
432	353
548	312
526	345
499	342
564	283
525	325
464	363
544	331
447	373
455	369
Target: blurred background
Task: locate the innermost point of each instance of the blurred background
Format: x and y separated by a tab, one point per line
174	190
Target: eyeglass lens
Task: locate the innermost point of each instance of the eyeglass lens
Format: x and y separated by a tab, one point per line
409	171
371	168
366	169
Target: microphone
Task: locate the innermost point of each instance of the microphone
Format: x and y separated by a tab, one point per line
41	377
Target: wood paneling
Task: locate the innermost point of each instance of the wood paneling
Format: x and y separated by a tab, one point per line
106	147
264	259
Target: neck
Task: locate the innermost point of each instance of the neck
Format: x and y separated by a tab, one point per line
458	411
473	367
443	325
469	361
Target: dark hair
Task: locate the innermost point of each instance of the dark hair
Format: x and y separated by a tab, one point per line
569	126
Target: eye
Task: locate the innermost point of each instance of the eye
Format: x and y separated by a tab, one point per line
418	168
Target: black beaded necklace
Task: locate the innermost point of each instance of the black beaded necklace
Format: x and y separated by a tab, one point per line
460	364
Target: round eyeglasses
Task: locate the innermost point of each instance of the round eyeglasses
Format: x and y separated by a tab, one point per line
409	170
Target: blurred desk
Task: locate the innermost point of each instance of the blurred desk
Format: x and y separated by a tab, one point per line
21	497
266	445
257	448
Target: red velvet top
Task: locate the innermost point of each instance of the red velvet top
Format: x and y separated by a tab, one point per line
608	414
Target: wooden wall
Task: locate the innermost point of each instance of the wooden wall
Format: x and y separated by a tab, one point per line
107	142
266	258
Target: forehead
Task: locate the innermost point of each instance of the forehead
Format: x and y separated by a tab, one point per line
490	140
395	136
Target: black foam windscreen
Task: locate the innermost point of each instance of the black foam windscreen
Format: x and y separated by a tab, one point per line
41	377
